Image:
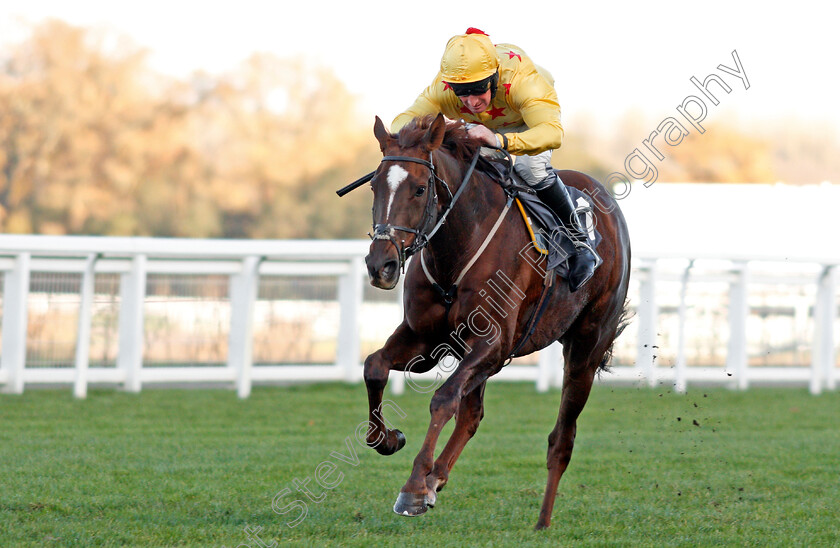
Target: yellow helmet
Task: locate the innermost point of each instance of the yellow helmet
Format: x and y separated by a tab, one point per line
469	58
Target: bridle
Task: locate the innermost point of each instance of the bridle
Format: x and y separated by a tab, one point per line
422	234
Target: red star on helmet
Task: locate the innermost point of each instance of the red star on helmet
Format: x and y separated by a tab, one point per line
496	112
446	86
512	54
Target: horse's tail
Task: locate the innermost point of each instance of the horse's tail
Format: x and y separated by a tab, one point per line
623	321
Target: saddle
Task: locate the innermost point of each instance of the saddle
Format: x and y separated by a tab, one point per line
547	231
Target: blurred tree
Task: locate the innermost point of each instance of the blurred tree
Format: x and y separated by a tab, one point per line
69	112
804	152
727	152
583	148
92	142
276	133
723	154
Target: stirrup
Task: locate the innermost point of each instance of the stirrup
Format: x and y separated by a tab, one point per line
585	245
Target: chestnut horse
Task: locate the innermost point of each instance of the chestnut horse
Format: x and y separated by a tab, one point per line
474	293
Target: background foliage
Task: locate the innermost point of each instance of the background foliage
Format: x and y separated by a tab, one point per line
93	142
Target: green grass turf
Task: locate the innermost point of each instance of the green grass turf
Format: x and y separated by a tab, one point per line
196	467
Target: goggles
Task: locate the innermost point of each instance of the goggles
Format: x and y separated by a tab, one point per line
472	88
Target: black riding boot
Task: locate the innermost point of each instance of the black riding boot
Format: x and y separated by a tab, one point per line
582	263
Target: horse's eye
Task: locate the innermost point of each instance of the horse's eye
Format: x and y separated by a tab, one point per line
420	191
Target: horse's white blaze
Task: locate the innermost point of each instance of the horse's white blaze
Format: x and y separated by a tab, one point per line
396	175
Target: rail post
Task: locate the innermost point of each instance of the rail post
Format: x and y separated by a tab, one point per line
549	368
132	297
736	356
15	321
244	288
823	354
648	317
680	372
80	384
350	299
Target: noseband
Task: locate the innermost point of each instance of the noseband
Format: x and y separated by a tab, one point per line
422	234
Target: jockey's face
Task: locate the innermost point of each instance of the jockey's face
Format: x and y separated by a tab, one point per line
477	103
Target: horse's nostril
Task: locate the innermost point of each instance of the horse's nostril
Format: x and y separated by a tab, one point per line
389	269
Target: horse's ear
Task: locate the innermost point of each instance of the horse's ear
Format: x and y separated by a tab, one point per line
382	134
436	132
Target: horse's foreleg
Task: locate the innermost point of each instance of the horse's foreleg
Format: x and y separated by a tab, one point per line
386	441
413	499
402	346
469	415
577	383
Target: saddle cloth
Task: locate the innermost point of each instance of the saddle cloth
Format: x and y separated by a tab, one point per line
548	234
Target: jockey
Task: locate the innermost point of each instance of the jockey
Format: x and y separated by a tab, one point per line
514	106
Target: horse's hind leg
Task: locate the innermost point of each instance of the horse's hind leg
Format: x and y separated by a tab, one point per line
469	415
401	347
582	362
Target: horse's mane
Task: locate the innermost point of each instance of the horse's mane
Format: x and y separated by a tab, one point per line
456	140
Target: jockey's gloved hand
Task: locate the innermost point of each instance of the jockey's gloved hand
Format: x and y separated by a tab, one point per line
483	133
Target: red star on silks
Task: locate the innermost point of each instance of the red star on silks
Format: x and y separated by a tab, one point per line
507	88
465	110
446	86
506	124
496	112
513	54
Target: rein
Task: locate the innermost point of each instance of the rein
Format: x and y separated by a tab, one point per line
385	231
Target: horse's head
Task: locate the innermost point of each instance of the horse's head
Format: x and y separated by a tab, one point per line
404	199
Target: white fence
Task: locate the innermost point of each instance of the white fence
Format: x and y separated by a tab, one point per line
130	312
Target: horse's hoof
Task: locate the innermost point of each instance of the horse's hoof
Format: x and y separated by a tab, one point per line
410	504
400	440
386	449
431	499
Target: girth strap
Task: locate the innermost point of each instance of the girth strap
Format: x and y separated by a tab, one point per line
548	287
